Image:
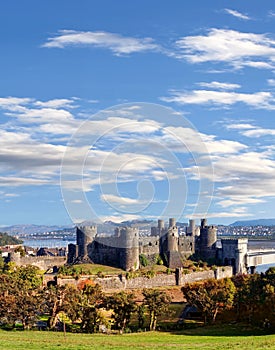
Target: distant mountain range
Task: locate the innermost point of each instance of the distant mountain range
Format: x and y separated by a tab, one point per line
109	226
32	229
257	222
106	227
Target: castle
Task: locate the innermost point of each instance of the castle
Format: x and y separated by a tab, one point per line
124	248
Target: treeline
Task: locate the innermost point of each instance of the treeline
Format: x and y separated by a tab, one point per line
242	298
83	308
5	239
86	308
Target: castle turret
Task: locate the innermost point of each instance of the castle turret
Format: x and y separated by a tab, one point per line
172	236
129	248
207	240
84	236
161	227
191	229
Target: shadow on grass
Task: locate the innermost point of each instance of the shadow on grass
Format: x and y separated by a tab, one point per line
229	330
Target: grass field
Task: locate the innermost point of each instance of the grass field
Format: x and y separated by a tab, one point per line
212	338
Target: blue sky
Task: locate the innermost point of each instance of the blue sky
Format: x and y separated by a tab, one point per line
156	108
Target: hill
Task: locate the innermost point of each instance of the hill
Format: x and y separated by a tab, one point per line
257	222
31	229
5	239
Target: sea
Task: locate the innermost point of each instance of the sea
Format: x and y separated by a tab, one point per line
47	243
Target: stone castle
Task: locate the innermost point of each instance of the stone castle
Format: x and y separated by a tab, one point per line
123	249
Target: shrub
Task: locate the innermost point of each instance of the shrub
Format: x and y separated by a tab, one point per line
143	260
159	260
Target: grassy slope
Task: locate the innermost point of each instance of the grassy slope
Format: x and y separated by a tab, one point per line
203	338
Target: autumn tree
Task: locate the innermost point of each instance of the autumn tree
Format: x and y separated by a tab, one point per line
210	296
157	303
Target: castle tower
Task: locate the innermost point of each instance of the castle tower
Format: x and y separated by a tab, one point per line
161	227
171	245
84	236
191	229
207	240
172	236
129	248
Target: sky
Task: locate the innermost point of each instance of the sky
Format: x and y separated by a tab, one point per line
119	110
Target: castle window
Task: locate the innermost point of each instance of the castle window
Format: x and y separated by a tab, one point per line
150	244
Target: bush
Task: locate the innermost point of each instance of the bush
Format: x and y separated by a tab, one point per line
143	260
159	260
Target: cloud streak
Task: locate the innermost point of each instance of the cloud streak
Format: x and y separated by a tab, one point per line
116	43
237	14
256	100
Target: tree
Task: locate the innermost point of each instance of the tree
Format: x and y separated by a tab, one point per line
20	296
59	299
210	297
141	315
91	301
123	305
27	306
157	303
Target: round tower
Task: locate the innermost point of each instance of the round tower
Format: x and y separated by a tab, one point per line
172	236
208	238
129	248
160	227
172	222
84	236
203	223
191	229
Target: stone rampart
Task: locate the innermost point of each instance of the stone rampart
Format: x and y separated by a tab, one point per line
43	262
160	280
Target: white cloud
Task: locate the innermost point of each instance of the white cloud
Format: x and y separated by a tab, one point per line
77	201
237	14
110	198
118	44
239	200
178	137
256	100
258	132
219	86
16	181
240	126
271	82
233	213
120	218
56	103
232	47
249	130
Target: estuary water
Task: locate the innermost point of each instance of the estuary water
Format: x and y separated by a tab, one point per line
47	243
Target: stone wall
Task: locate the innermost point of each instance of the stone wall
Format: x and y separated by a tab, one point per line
160	280
43	262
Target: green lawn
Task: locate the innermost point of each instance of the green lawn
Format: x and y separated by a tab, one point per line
212	338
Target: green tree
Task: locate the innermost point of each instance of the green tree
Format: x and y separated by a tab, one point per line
59	299
90	303
141	315
123	306
19	297
157	303
210	297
